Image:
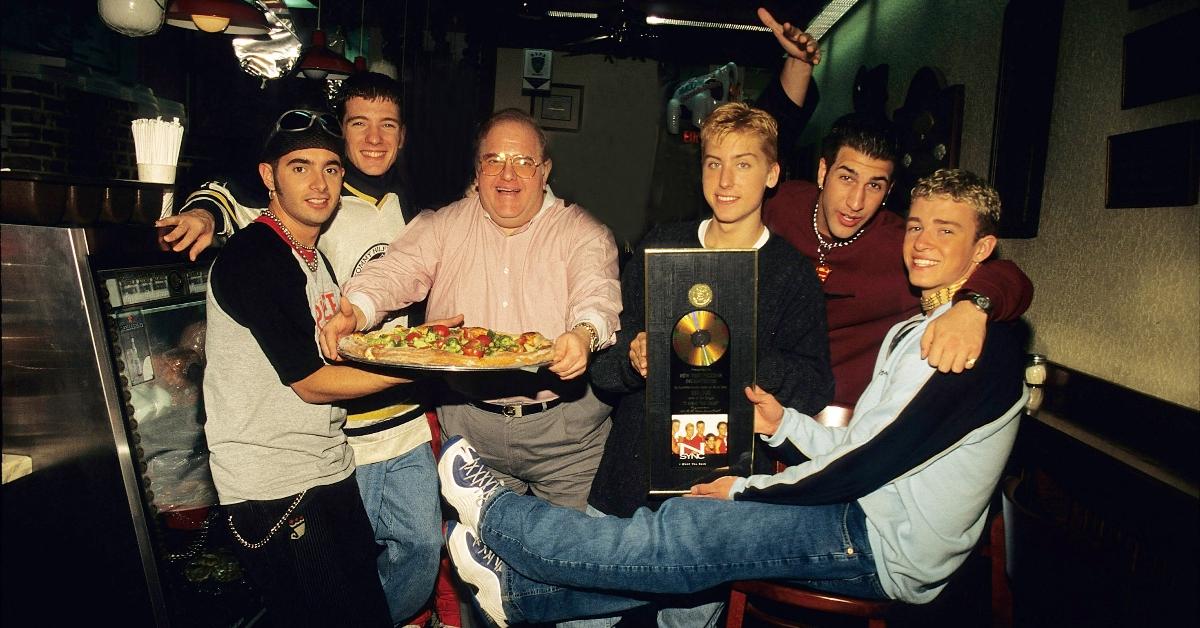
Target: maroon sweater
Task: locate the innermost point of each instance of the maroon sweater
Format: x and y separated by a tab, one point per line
867	290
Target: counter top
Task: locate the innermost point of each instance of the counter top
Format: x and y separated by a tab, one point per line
49	200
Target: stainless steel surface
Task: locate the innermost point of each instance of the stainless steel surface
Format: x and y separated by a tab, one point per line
61	407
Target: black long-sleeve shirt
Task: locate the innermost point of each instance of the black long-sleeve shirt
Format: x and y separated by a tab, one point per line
793	357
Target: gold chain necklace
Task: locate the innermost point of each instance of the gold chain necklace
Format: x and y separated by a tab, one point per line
823	247
307	253
941	296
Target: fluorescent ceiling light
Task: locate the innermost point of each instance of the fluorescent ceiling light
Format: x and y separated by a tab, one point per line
574	14
654	20
828	17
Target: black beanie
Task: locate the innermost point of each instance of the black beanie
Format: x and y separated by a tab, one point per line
282	142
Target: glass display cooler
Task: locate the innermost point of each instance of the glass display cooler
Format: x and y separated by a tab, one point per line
103	360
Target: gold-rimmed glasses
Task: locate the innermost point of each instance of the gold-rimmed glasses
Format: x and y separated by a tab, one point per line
524	166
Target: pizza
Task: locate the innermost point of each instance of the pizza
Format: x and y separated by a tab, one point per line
439	346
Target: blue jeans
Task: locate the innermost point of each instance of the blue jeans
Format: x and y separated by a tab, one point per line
695	614
563	563
401	497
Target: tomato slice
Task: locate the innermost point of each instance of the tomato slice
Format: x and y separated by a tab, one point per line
440	330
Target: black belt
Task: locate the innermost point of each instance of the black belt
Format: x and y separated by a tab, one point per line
516	410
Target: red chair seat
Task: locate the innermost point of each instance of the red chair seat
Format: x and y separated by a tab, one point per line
740	604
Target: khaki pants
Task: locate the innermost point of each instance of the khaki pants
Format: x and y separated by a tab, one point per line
552	454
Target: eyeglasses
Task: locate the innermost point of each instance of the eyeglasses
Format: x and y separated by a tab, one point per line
303	119
524	166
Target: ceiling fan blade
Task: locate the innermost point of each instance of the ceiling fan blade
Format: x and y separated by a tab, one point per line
586	41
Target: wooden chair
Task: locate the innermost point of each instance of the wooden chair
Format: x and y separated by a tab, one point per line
741	605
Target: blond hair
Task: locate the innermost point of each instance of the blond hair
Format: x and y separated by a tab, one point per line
737	117
964	186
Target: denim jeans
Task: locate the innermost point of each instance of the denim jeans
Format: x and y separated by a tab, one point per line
669	614
563	563
401	498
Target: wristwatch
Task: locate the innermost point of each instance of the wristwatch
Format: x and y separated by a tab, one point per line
593	335
978	300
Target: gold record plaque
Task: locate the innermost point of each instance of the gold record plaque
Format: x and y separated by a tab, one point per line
700	325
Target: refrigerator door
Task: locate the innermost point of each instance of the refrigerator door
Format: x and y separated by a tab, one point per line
76	544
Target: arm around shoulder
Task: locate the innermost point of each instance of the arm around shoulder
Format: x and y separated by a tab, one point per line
1005	285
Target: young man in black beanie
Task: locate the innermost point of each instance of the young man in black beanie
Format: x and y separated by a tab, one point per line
388	431
283	470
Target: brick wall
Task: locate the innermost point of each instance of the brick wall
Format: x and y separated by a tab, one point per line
62	121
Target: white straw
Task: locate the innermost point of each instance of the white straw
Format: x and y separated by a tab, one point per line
157	141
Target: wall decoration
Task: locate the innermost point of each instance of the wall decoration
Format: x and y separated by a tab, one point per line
1155	61
929	130
561	109
870	89
1024	100
1157	167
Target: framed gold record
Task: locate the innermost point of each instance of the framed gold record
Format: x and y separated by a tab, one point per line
701	317
700	338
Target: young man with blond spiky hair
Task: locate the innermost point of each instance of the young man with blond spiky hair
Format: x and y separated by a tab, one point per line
888	507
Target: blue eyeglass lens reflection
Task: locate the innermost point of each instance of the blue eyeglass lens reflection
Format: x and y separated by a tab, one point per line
302	120
523	165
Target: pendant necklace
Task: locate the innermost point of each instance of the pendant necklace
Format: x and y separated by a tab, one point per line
823	247
307	253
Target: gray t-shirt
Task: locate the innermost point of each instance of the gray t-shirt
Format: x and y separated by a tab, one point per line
264	311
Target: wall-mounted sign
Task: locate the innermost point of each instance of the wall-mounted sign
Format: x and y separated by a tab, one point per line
536	75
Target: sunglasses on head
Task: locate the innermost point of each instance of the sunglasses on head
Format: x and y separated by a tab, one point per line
303	119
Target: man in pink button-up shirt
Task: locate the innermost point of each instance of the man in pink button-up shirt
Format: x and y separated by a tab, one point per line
512	257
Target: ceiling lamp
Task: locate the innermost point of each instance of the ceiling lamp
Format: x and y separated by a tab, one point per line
135	18
319	62
232	17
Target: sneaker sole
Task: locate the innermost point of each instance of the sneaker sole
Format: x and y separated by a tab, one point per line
471	572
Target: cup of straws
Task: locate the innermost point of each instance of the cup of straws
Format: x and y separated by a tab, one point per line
156	142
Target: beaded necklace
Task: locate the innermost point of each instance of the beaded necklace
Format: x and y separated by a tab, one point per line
823	247
307	253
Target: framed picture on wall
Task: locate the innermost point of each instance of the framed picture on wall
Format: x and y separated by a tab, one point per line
1152	58
561	109
1157	167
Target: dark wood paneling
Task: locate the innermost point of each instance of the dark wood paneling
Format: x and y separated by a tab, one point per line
1024	99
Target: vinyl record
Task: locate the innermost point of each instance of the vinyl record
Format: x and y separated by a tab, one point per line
700	338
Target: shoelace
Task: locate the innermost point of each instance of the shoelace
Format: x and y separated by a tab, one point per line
480	477
489	558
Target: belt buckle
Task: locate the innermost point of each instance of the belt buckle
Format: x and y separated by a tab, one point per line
512	411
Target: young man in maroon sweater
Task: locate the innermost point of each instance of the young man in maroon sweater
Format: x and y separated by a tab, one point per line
837	224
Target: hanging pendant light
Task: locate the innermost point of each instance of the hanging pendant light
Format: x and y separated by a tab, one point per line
319	62
134	18
232	17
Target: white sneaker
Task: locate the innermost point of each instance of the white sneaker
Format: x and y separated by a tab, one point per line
480	568
466	481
